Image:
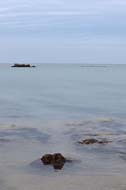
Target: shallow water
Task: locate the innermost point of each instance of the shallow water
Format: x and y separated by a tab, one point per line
62	92
49	109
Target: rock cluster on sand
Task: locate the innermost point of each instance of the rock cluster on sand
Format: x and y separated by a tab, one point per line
93	141
57	160
22	65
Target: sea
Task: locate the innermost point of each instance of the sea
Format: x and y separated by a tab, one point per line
51	108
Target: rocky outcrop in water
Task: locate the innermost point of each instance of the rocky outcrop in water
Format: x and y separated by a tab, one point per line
57	160
22	65
93	141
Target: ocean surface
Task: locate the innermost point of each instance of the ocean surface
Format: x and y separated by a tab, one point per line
49	109
52	91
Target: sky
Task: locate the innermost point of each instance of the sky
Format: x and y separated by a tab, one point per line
63	31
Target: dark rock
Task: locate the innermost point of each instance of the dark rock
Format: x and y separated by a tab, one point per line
88	141
58	161
93	141
58	165
22	65
104	141
47	159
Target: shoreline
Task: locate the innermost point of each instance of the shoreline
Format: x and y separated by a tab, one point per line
95	166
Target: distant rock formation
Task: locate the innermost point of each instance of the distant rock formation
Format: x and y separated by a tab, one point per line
22	65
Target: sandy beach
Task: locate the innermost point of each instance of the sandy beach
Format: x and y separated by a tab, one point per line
31	182
94	166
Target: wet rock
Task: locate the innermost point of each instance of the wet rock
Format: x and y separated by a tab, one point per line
57	160
47	159
103	141
88	141
93	141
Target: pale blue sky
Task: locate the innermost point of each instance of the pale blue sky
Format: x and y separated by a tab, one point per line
63	31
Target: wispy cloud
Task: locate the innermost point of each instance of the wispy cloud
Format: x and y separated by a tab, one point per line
60	7
64	21
18	12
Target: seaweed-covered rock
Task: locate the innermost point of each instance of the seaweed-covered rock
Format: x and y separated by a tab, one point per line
47	159
58	161
88	141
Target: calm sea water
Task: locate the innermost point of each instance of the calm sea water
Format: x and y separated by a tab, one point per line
52	91
49	109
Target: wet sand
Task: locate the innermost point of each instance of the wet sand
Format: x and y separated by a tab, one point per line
94	167
30	182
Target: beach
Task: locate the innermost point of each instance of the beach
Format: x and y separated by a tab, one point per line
93	166
66	182
49	109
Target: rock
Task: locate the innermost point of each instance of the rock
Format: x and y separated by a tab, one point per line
58	161
58	165
93	141
22	65
104	141
88	141
47	159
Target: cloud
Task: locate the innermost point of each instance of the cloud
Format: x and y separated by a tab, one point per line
18	12
78	23
15	8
